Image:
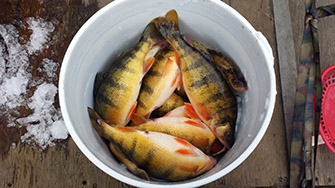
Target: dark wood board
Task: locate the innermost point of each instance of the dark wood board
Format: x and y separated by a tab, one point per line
66	166
325	176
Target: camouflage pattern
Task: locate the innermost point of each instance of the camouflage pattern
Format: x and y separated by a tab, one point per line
308	99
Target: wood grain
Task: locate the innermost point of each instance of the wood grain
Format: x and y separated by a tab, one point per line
287	62
319	3
65	165
325	159
297	10
325	172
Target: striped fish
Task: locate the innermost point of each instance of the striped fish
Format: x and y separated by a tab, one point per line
185	128
230	70
204	84
116	91
160	155
159	84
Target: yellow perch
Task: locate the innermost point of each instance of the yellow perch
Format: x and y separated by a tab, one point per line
185	128
116	90
205	86
159	83
160	155
229	68
132	167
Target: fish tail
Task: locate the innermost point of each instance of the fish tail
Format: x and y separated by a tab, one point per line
166	27
131	166
172	16
98	124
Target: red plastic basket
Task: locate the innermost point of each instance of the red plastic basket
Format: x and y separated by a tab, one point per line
327	123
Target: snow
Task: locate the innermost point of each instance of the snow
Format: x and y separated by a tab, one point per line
18	90
13	145
39	37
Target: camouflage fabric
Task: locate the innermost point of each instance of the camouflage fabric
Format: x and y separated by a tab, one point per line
308	99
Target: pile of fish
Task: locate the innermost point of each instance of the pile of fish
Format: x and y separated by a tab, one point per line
167	106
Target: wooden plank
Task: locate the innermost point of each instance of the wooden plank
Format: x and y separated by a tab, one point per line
319	3
297	10
325	162
65	165
287	63
326	32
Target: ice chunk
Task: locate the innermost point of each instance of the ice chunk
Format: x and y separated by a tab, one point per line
58	130
45	124
40	34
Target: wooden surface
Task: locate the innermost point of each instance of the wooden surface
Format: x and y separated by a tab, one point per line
325	173
286	61
66	166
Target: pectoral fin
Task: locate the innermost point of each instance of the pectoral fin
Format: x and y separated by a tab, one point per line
137	119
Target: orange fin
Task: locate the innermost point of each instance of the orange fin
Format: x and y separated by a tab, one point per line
147	64
167	66
203	111
137	119
217	147
183	142
125	129
194	123
190	112
177	58
188	152
131	111
175	80
180	81
167	114
147	116
161	44
189	168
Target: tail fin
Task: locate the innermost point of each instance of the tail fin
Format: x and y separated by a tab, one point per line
165	27
98	124
95	120
131	166
172	16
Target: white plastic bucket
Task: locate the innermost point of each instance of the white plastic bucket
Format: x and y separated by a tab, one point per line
118	26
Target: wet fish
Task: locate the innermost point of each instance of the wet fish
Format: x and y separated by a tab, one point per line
204	84
159	84
131	166
160	155
231	71
185	128
186	110
116	91
229	68
177	112
174	101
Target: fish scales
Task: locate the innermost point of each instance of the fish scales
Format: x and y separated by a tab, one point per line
116	95
159	84
161	155
202	81
185	128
